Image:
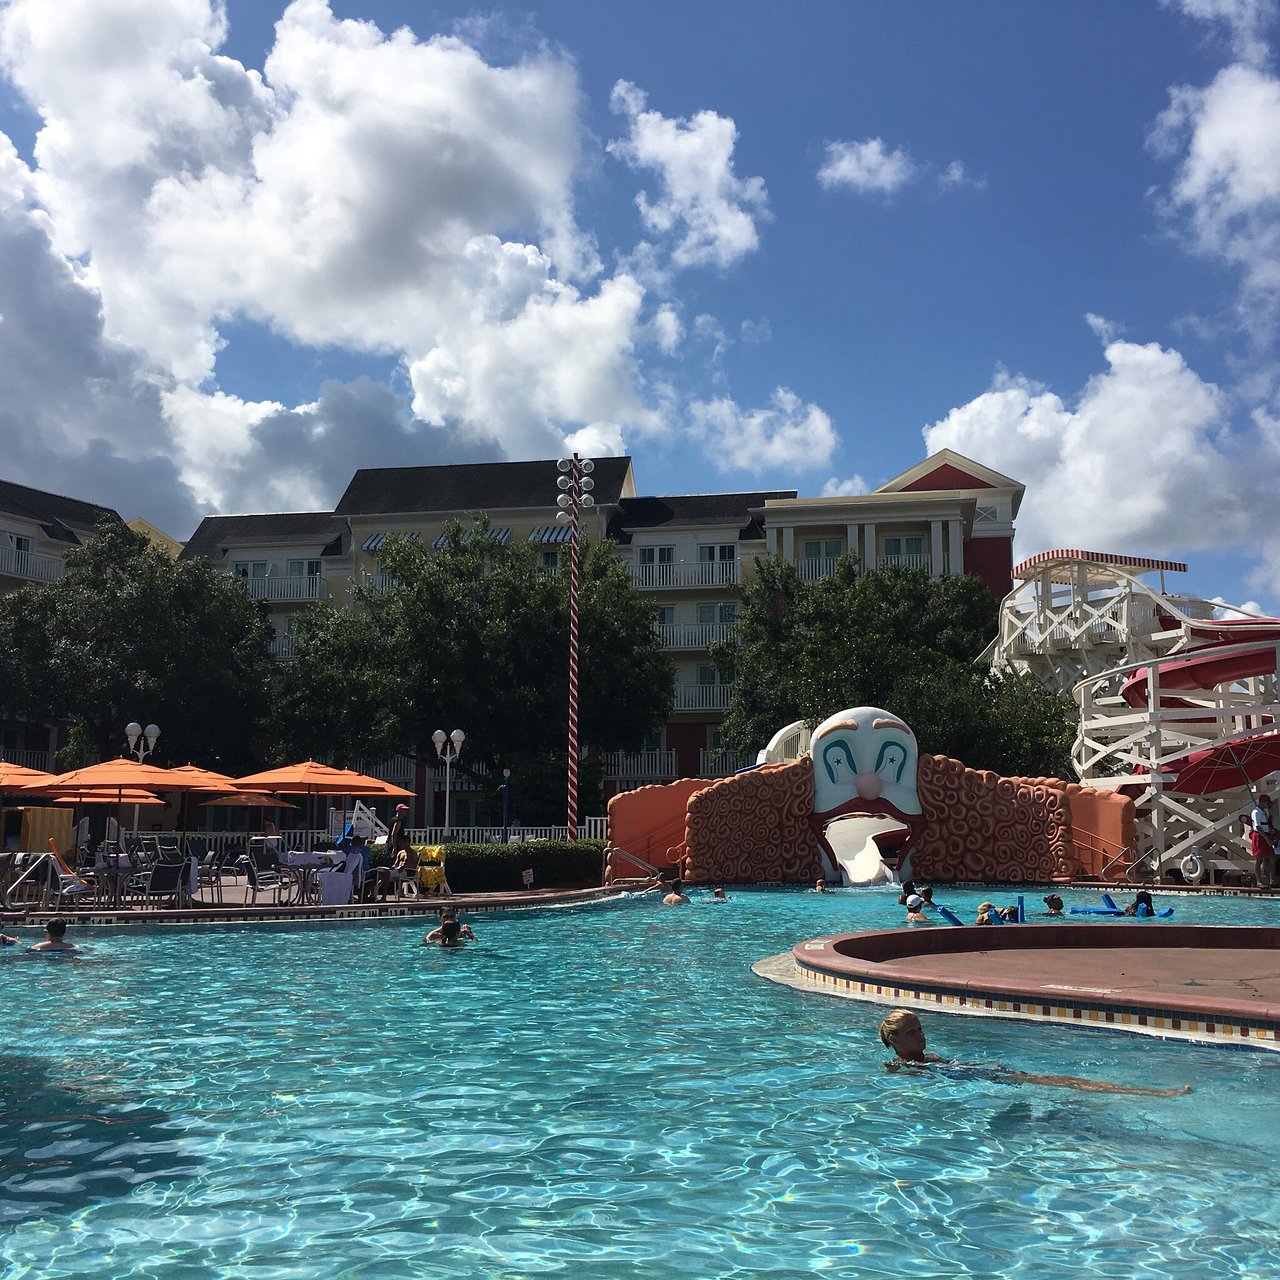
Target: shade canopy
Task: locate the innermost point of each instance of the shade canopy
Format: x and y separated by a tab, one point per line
1225	766
247	800
313	779
15	776
114	776
107	797
206	779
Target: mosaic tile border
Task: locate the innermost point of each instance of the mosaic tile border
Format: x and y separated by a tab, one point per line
1258	1033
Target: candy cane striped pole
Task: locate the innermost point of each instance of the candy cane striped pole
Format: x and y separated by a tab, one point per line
574	530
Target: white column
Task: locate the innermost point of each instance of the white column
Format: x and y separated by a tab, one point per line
869	557
789	543
935	548
955	548
851	540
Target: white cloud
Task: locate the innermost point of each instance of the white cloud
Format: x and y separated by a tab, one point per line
788	435
1143	461
704	207
1250	609
866	166
1225	197
847	488
1245	22
668	331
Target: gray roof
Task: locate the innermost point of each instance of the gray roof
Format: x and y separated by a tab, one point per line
693	509
470	487
61	518
217	533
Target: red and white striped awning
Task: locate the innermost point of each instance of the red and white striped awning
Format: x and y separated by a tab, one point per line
1062	565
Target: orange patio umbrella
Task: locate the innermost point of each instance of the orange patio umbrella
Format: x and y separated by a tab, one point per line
116	776
247	800
206	779
107	797
14	776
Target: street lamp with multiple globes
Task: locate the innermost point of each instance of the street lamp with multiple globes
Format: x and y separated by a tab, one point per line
575	485
457	738
142	743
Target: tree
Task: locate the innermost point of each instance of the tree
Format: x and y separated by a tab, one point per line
892	638
129	632
475	636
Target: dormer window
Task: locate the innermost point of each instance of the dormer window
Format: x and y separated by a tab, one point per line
986	515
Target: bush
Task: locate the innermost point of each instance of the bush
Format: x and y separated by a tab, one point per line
496	868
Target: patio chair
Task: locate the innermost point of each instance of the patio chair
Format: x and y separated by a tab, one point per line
165	880
168	848
211	868
263	880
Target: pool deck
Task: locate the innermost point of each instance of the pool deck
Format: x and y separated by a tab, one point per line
1192	982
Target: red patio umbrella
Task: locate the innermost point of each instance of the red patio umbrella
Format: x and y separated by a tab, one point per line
1225	766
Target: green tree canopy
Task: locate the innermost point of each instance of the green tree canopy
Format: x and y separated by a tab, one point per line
891	638
129	633
475	636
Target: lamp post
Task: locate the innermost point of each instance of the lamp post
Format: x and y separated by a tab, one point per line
506	807
456	738
142	743
575	485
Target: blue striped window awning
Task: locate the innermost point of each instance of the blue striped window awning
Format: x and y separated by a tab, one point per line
375	540
552	534
499	537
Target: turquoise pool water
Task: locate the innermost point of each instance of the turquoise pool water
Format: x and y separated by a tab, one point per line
593	1093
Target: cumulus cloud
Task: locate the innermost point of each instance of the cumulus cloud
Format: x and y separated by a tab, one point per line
1225	196
1245	22
704	209
1142	461
868	167
847	488
787	435
1232	612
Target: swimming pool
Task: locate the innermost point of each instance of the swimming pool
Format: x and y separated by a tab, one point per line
592	1092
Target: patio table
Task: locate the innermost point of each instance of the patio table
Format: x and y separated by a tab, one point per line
305	869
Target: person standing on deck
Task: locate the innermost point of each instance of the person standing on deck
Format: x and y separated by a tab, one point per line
1261	843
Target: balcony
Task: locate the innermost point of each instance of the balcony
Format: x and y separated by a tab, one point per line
286	590
719	762
30	565
694	635
714	573
646	766
814	568
924	562
702	697
282	648
42	760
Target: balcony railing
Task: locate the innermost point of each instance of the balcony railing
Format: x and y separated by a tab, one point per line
714	573
719	762
30	565
28	759
702	697
282	648
280	590
654	765
694	635
813	568
924	562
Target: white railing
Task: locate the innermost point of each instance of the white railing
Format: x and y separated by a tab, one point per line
639	764
378	583
282	648
281	590
29	759
694	635
702	697
814	568
719	762
711	573
908	562
30	564
398	768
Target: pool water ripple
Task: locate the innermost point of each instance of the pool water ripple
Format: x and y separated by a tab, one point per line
592	1093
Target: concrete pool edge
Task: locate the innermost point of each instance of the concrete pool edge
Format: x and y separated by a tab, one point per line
897	967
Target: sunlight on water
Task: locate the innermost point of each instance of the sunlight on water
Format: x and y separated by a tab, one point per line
596	1092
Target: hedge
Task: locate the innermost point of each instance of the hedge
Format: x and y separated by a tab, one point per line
495	868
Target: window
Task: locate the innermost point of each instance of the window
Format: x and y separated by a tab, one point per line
20	543
823	548
710	614
304	568
657	555
652	741
666	614
710	674
250	568
719	551
986	515
551	560
906	546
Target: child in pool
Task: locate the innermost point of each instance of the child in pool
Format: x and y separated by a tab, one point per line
915	910
984	912
901	1031
1054	904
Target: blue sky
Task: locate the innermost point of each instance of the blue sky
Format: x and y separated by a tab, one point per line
752	246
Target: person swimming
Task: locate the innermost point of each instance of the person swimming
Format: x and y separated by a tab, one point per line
902	1033
1054	904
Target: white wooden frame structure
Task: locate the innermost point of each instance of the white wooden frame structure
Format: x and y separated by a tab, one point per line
1084	623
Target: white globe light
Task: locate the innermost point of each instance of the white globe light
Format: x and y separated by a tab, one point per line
586	466
564	500
133	729
586	483
563	515
564	464
564	482
588	500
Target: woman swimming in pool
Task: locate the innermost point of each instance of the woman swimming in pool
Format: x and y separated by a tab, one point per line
901	1031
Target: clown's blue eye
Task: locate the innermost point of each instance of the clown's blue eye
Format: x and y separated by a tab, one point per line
892	758
835	755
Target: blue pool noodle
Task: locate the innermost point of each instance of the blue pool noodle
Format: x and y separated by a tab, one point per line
1097	911
1022	915
950	916
1108	901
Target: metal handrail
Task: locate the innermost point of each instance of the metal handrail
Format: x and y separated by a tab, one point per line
41	860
